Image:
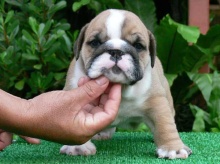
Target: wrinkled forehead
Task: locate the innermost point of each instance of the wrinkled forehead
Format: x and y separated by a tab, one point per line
116	24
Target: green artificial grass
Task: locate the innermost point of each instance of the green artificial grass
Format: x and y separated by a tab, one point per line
124	147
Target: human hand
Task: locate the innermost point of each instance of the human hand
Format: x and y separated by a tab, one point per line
96	108
72	117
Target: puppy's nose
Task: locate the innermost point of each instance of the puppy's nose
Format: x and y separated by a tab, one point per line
115	54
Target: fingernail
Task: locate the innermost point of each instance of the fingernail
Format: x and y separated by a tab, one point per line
101	80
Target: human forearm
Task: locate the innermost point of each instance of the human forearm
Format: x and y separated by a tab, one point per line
12	118
12	112
37	117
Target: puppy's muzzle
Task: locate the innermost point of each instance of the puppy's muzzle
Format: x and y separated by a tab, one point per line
117	60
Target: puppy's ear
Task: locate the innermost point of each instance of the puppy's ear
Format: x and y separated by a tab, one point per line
152	48
79	42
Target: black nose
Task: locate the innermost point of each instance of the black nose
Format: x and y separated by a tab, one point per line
115	54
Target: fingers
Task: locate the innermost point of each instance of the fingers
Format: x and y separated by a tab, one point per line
104	116
91	90
111	106
31	140
5	139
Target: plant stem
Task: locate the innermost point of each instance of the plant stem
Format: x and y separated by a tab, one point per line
7	42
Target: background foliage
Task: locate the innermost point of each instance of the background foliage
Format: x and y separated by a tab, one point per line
36	38
35	48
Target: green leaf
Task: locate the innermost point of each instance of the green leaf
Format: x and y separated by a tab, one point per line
33	9
180	89
199	123
40	82
216	49
61	26
33	23
145	9
46	81
59	76
29	56
47	27
13	2
171	78
211	40
75	35
1	21
51	50
176	37
214	101
68	44
10	57
194	58
14	33
60	33
77	5
204	82
215	130
20	84
50	41
3	55
189	33
9	16
171	46
38	66
28	36
55	62
12	25
60	5
40	29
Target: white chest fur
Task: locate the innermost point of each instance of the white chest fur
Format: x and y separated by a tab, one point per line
133	98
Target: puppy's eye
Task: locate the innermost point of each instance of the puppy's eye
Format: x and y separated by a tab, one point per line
95	43
138	46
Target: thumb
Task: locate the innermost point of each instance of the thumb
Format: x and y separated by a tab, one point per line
91	90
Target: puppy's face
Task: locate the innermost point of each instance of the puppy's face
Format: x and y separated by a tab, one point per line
117	45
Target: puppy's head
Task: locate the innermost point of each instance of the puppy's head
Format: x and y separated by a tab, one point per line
116	44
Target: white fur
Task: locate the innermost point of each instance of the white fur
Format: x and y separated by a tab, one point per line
103	61
172	154
78	72
87	148
116	43
139	90
133	98
114	23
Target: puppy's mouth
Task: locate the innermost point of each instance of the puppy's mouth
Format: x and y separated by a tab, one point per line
118	66
116	69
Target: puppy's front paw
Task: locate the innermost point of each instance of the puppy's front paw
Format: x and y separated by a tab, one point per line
86	149
182	153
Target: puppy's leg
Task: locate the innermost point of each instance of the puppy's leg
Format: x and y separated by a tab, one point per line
161	121
105	134
87	148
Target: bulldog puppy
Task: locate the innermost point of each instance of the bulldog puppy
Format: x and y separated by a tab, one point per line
116	44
